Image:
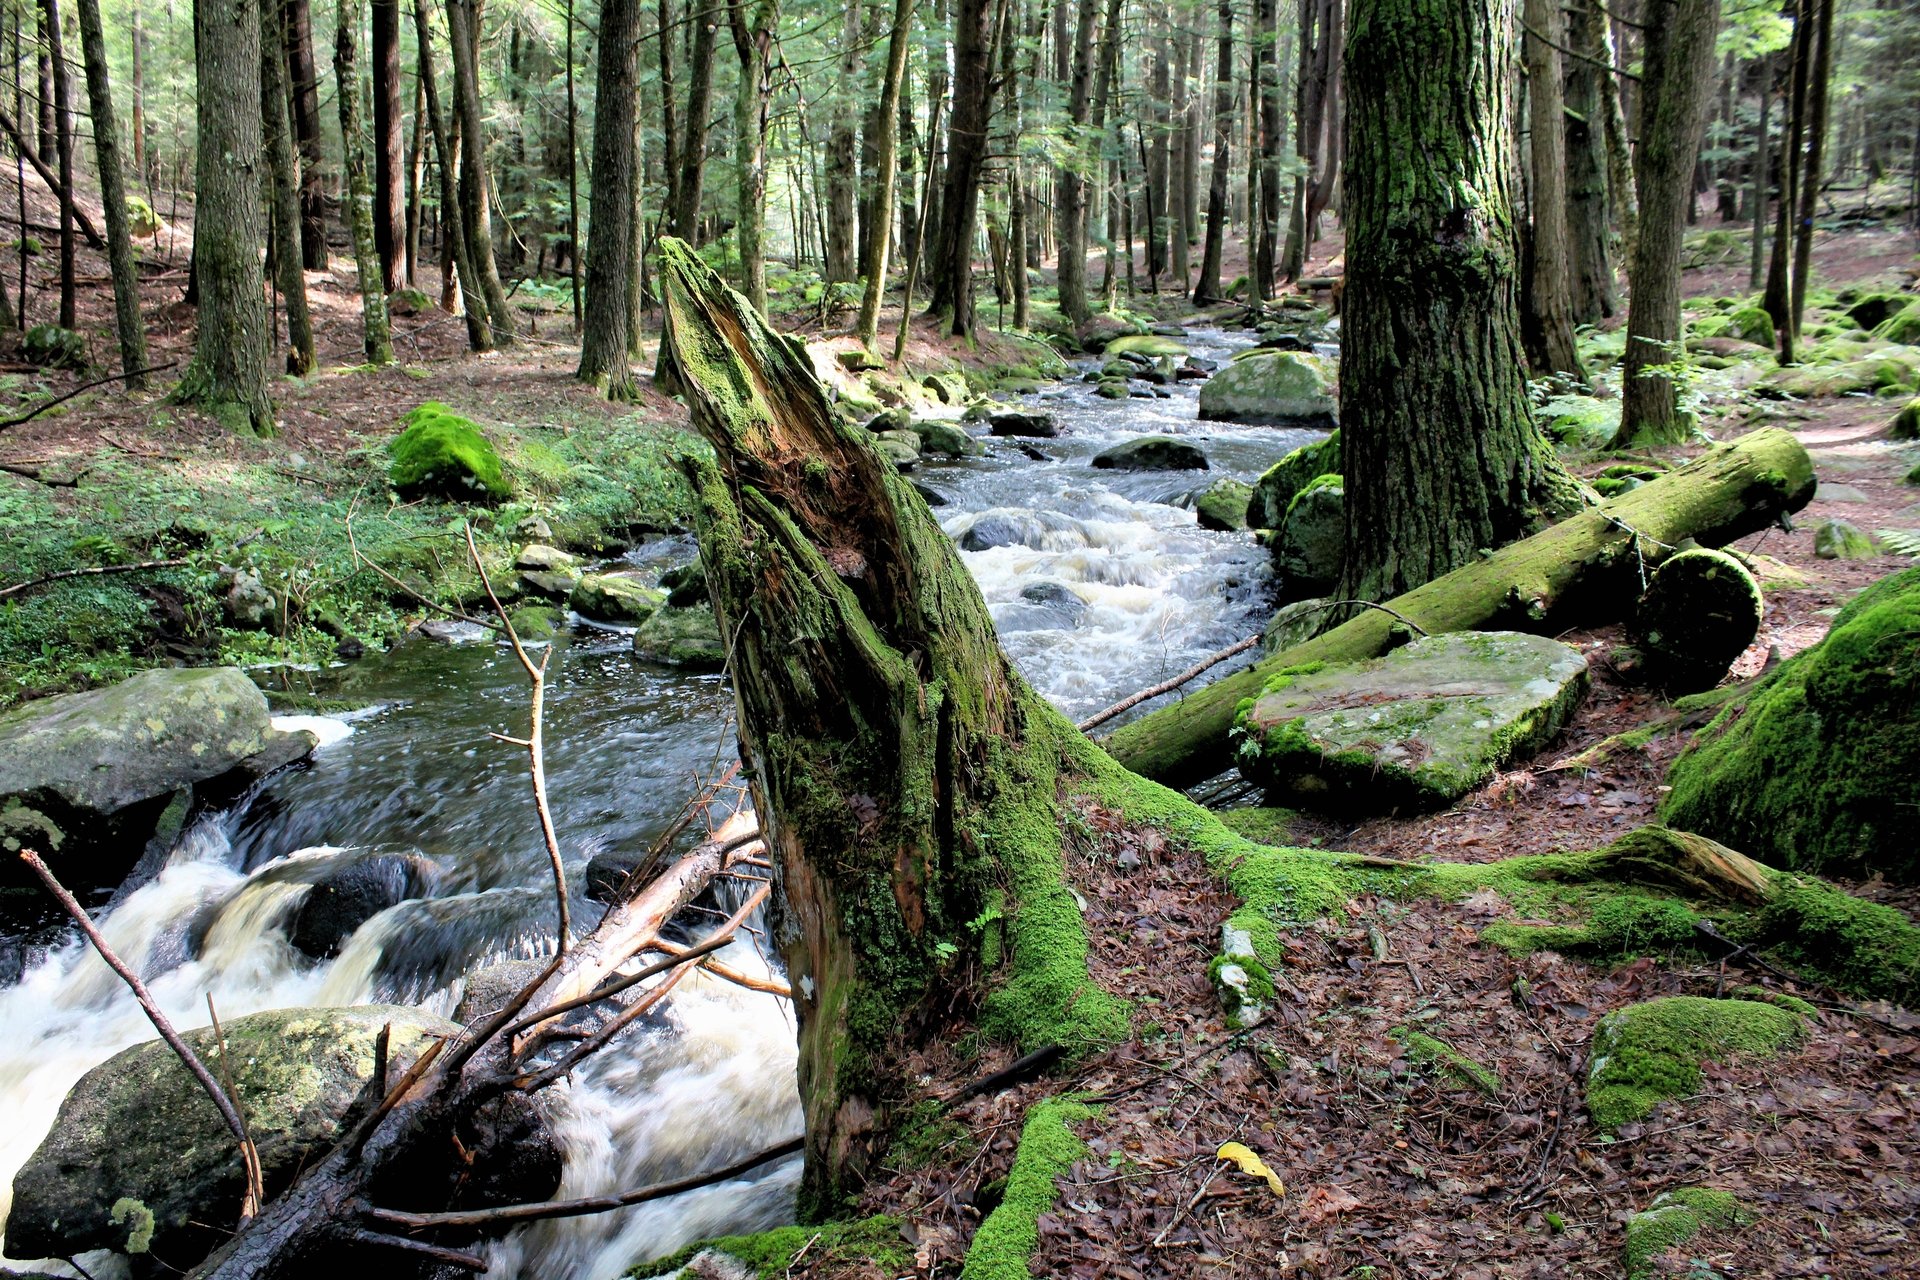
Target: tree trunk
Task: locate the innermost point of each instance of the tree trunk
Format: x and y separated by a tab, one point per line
1620	195
1267	79
49	149
63	147
752	41
603	346
284	194
886	162
1441	455
1820	75
1549	309
1586	141
1674	92
462	39
693	152
416	179
228	375
967	131
1070	200
1778	296
1585	570
139	92
842	159
1761	178
113	197
573	164
452	225
378	334
906	778
303	71
389	147
1208	288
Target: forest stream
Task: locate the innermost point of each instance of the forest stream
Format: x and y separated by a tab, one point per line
1146	594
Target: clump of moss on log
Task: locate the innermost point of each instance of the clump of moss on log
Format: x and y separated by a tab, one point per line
770	1255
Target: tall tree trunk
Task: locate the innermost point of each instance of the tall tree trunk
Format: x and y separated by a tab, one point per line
377	333
303	71
842	158
1441	455
139	92
1329	133
1267	82
693	152
452	225
284	194
462	38
573	163
1586	142
63	146
1820	74
1762	177
753	42
1620	192
416	178
49	134
669	110
1070	201
603	346
887	151
1674	93
228	375
967	130
1208	289
1777	298
1157	167
1549	309
113	196
389	146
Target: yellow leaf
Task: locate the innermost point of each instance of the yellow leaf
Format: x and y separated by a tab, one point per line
1251	1164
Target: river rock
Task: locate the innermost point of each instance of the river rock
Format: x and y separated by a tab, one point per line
1151	345
901	448
1151	453
686	585
1842	540
557	585
1100	329
1222	505
945	437
687	638
1023	422
138	1160
1042	606
614	597
351	893
545	559
1414	730
1111	389
947	388
248	605
491	987
1270	388
453	631
992	529
931	496
1313	538
85	778
1273	492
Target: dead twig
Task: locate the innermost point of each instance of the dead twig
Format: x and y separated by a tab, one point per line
360	557
1168	686
39	409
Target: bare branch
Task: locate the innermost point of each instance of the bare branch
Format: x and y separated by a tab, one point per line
1168	686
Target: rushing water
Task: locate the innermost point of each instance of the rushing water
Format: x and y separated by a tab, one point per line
1146	592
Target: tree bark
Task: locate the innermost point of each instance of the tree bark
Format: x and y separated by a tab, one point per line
228	374
1208	287
968	123
1819	77
1777	299
416	180
753	42
685	221
284	175
1761	179
1620	194
842	159
377	338
603	346
452	225
389	147
303	73
1266	246
1438	444
462	38
113	197
1549	310
1585	570
886	163
1586	142
1674	92
1070	200
63	148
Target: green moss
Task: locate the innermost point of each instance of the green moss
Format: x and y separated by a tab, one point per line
1697	617
1646	1053
441	452
1260	825
1752	324
1274	492
770	1254
1814	767
924	1133
1003	1246
1902	326
1674	1218
1906	423
1781	998
1857	946
1436	1054
1619	927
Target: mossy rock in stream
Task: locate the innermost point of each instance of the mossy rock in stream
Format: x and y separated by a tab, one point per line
687	638
1698	615
1644	1054
1312	542
1152	345
1271	387
1222	505
444	454
1273	492
614	597
1818	767
1674	1218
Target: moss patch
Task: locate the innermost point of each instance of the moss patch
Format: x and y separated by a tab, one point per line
1646	1053
1674	1218
442	453
1437	1055
770	1254
1004	1244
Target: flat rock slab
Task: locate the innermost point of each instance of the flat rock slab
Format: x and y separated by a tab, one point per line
1414	730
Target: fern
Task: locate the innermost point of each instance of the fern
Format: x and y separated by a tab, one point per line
1899	542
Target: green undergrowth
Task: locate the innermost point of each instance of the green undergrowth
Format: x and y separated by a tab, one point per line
282	515
1647	1053
1435	1054
1003	1246
1674	1218
770	1255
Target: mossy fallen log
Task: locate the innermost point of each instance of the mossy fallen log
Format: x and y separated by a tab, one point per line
1586	568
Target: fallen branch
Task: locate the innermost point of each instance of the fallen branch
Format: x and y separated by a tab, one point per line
360	557
718	970
22	147
1168	686
39	409
249	1154
18	587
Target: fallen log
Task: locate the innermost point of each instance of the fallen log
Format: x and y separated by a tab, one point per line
1588	567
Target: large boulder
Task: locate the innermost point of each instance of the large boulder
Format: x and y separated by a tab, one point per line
1312	542
687	638
444	454
1023	422
1151	453
1222	505
139	1161
1273	491
1414	730
86	777
946	437
1151	345
1273	388
1817	768
614	597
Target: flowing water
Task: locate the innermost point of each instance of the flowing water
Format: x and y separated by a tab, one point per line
1138	592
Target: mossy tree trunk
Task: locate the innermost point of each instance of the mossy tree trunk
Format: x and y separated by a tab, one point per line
283	173
885	123
1070	187
603	346
1674	93
1549	313
113	196
1586	568
967	146
1208	287
753	95
1593	285
378	333
903	773
477	222
228	375
479	332
303	72
1438	444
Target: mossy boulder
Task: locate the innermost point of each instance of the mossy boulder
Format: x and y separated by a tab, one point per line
1842	540
1151	453
1751	324
1674	1218
1903	326
1223	505
948	388
1818	767
688	638
947	438
535	621
1698	615
1312	541
541	558
1906	423
1273	388
1151	345
901	448
1413	730
1034	423
1875	309
614	597
1644	1054
1273	491
1888	367
1101	329
138	1160
86	778
141	219
685	585
441	453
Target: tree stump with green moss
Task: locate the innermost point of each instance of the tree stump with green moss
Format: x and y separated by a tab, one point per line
1701	612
